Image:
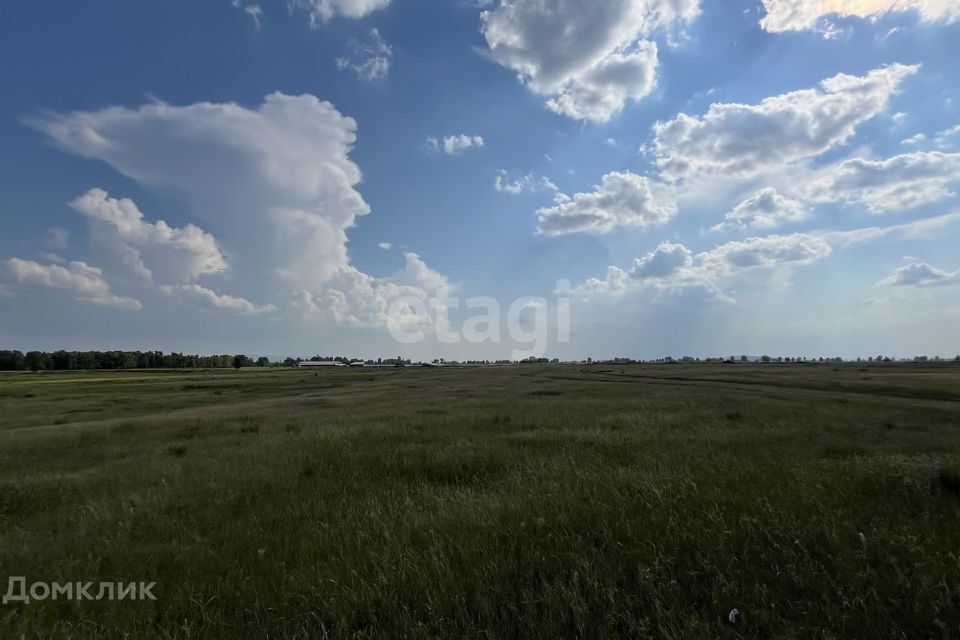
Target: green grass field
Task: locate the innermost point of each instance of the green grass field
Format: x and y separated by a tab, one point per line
516	502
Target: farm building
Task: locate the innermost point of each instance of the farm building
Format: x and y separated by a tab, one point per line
321	363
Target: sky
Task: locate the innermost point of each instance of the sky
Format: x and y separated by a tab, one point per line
481	179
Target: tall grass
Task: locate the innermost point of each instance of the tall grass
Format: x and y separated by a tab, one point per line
500	503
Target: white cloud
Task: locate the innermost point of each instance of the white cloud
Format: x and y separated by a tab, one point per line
369	59
914	139
620	200
672	267
668	259
83	281
601	91
211	300
253	10
386	246
767	251
588	57
255	13
920	274
452	145
799	15
357	299
742	140
515	185
765	209
901	182
178	254
321	11
52	257
923	229
275	180
947	137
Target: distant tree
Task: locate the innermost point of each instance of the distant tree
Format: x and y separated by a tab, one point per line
289	362
765	358
743	358
11	361
240	361
263	361
38	361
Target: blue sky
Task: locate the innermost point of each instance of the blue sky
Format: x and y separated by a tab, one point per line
695	177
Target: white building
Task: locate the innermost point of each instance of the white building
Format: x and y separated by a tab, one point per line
321	363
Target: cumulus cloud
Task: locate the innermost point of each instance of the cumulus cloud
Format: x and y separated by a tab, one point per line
765	209
901	182
767	251
205	298
321	11
276	179
357	299
672	267
800	15
668	259
452	145
742	140
369	59
601	91
178	254
504	182
620	200
84	282
920	274
589	58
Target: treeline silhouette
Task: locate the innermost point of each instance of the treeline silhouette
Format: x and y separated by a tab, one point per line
81	360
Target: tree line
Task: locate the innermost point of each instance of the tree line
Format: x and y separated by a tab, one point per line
83	360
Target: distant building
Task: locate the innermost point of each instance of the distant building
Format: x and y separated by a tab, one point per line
321	363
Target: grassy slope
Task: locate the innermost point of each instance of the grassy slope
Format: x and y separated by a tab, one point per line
514	502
